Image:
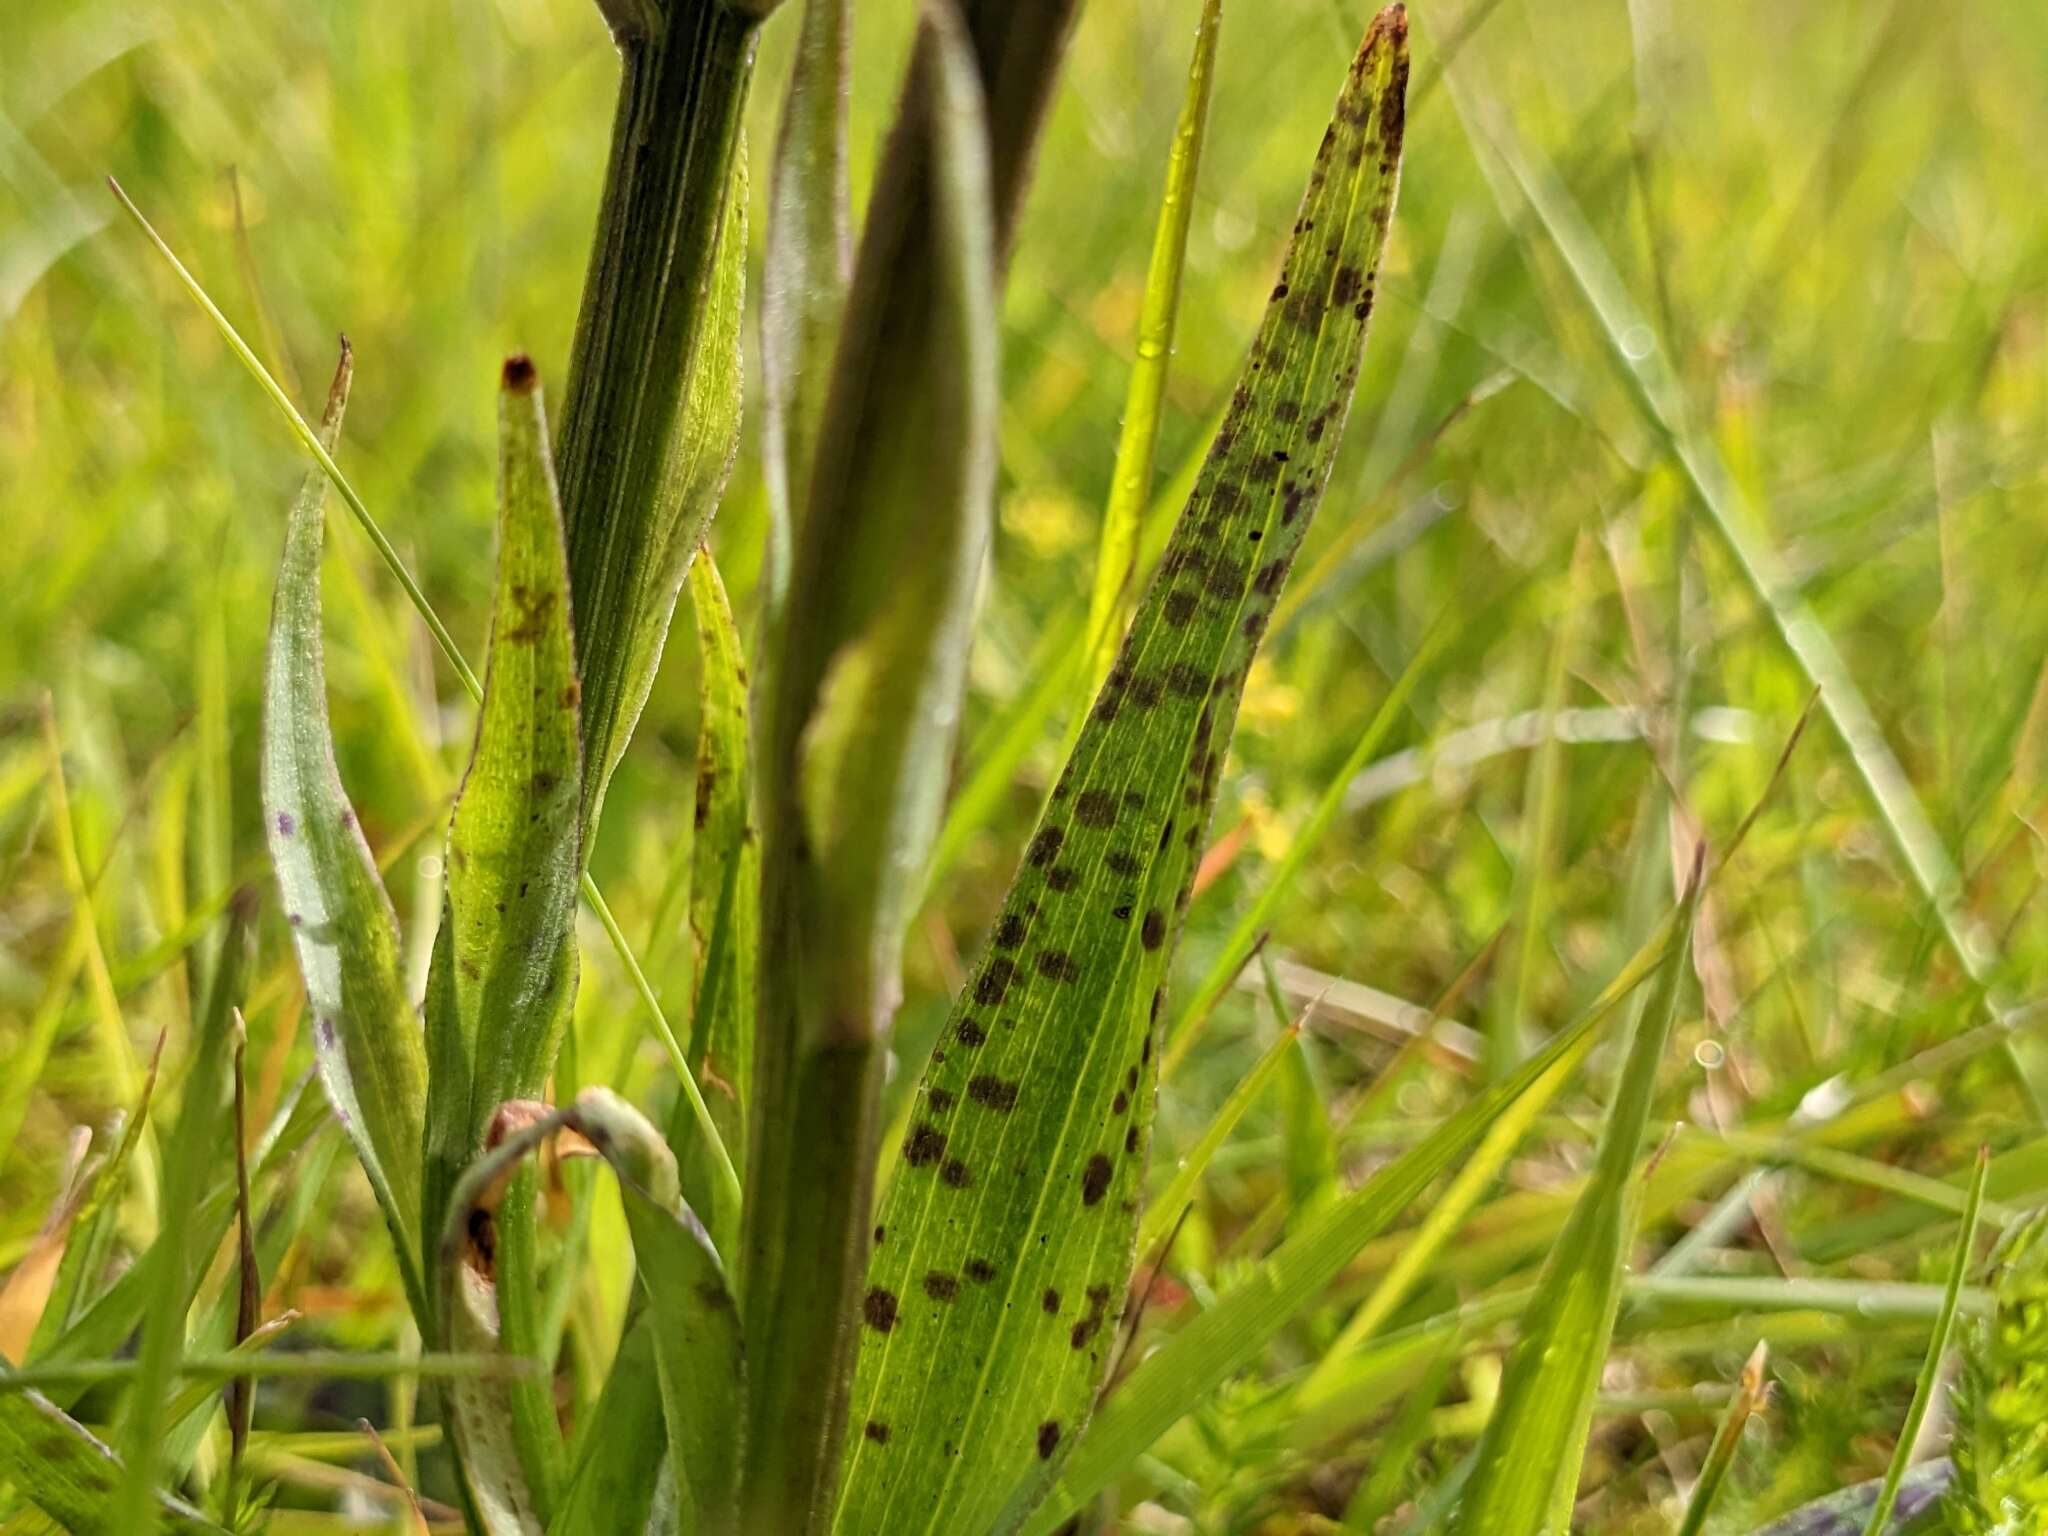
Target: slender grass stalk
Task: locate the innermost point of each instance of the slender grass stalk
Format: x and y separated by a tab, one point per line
1130	484
1937	1346
1750	1394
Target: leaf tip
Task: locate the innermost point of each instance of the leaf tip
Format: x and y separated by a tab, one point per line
521	377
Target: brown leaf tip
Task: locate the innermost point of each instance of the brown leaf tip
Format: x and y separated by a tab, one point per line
520	374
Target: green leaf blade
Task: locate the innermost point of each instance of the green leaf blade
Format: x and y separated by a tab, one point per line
366	1037
1008	1233
505	976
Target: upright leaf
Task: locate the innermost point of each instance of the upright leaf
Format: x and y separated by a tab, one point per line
366	1037
1528	1459
805	263
504	968
1006	1238
858	713
725	895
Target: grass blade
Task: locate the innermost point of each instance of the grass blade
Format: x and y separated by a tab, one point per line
1130	484
366	1037
1163	1212
1930	1367
860	704
195	1145
1528	1458
1008	1231
1257	918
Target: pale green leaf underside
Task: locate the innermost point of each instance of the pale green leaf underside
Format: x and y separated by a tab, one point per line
366	1037
1005	1246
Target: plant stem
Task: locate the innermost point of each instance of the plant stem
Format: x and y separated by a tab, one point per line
682	93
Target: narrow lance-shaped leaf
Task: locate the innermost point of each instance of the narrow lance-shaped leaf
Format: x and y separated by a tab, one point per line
504	969
366	1037
694	1332
858	716
725	894
1231	1335
805	264
1528	1459
1006	1244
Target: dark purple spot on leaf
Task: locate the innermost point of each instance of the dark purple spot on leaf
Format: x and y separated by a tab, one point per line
993	1092
878	1309
1095	1179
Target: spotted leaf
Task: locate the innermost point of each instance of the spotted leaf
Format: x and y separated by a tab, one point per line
1005	1244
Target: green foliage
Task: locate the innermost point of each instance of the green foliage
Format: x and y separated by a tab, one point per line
1706	385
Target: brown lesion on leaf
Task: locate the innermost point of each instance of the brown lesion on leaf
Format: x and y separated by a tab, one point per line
878	1309
1095	1179
926	1145
993	1092
1089	1326
535	607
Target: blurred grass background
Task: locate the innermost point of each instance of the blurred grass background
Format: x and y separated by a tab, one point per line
1830	211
